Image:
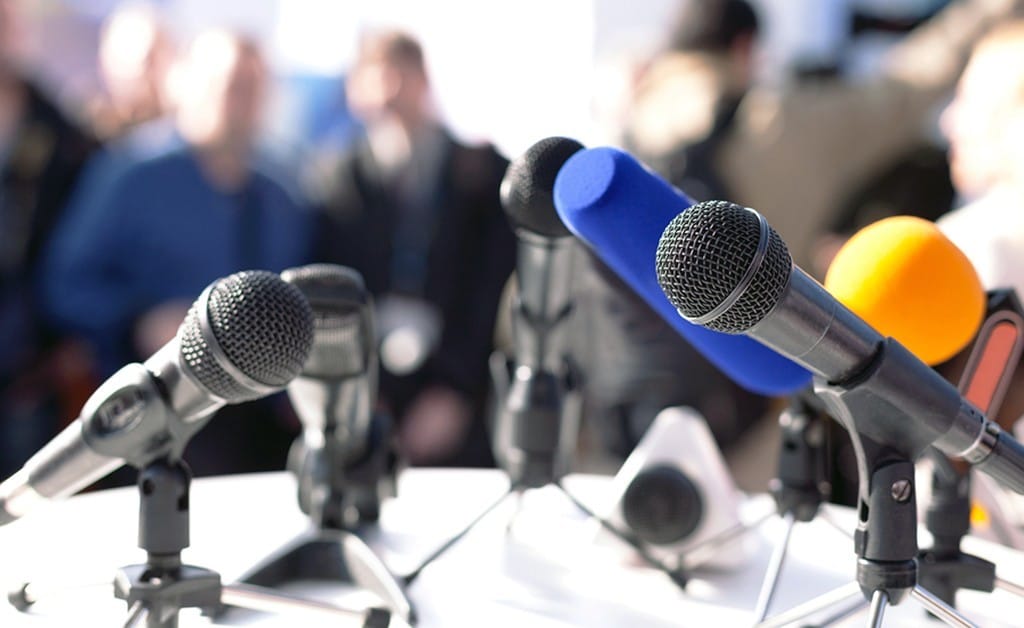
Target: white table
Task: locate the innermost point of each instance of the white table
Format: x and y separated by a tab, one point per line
544	571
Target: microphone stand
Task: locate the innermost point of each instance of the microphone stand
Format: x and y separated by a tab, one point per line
339	499
799	489
886	536
550	405
944	568
157	590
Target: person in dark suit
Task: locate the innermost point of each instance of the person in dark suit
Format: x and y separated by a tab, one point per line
418	214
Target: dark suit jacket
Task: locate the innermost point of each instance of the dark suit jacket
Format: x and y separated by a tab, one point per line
470	255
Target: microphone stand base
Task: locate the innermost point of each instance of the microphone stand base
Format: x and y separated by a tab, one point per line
333	556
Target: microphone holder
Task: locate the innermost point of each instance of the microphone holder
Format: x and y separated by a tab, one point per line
551	405
944	568
157	590
886	536
339	499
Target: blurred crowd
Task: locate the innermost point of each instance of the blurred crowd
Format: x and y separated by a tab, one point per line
115	216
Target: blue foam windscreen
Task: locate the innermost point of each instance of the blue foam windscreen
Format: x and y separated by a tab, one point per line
619	209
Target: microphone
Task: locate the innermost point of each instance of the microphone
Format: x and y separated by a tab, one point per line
335	395
619	209
246	336
722	266
529	425
906	279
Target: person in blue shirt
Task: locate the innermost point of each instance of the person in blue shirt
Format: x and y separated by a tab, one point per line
125	266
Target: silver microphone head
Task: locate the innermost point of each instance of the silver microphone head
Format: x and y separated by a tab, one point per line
342	319
722	266
247	335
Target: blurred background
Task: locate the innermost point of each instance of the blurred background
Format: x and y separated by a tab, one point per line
150	147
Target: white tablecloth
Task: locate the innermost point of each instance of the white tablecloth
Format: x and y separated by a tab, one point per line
544	570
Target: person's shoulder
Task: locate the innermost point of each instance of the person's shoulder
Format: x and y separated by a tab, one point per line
275	180
477	166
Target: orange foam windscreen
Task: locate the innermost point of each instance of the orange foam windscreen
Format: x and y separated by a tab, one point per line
909	281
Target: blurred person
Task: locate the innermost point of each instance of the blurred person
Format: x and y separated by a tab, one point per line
634	363
985	127
41	154
124	268
803	151
809	155
686	101
418	215
136	52
135	56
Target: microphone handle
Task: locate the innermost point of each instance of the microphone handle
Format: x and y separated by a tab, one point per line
63	467
1005	462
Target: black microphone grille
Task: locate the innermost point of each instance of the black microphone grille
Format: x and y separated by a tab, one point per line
249	333
722	266
342	318
527	189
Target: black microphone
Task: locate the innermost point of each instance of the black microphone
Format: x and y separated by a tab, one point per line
722	266
529	419
335	395
246	336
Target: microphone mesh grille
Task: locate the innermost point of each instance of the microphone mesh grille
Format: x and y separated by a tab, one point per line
342	322
702	257
526	190
264	327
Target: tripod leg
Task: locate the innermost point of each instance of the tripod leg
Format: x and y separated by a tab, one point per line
771	576
699	553
138	615
879	600
411	576
940	609
818	604
260	599
1011	587
677	575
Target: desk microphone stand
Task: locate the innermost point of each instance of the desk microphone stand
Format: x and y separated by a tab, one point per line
158	589
545	408
339	499
886	536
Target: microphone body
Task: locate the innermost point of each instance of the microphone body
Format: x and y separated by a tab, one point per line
245	337
536	420
723	267
544	269
339	458
620	209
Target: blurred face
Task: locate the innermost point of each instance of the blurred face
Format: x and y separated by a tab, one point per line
135	56
372	87
985	120
378	85
222	101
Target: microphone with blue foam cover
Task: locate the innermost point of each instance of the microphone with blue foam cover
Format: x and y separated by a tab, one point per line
619	209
